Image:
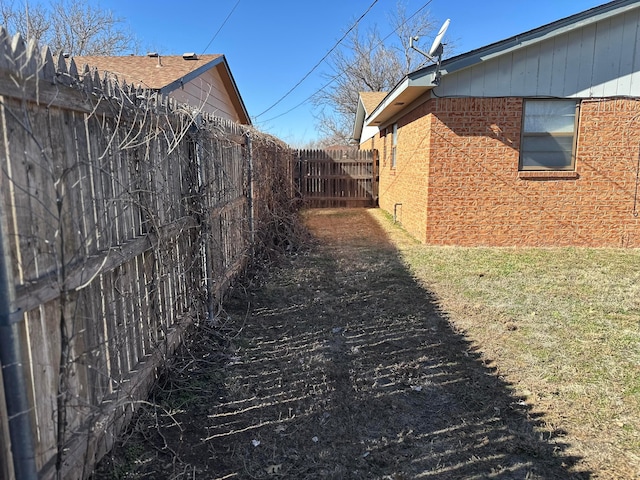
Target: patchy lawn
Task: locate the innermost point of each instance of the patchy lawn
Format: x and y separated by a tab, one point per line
367	356
560	324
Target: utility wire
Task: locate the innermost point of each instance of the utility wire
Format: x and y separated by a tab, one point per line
196	64
334	78
303	101
221	26
321	60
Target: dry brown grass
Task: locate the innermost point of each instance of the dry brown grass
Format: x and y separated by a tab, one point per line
560	324
368	356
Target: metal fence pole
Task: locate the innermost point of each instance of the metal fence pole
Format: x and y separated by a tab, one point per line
22	446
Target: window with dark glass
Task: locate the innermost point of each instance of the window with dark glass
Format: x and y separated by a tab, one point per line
548	135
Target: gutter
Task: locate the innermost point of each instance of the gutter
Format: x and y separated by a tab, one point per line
422	80
15	391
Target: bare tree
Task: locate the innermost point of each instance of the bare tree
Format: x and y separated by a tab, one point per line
32	21
418	25
76	27
367	63
83	29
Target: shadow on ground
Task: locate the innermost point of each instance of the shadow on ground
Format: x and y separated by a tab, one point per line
339	366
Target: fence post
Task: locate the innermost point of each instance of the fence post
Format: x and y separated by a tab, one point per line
203	165
15	391
376	176
301	182
250	199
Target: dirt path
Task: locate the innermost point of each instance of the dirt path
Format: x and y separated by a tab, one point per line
340	366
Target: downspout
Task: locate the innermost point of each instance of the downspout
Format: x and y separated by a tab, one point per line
15	391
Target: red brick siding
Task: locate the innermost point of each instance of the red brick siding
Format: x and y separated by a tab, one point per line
406	184
457	177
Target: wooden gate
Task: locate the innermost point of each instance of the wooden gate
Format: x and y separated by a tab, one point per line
337	178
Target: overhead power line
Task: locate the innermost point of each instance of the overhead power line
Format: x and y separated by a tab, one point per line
320	61
303	101
333	79
220	28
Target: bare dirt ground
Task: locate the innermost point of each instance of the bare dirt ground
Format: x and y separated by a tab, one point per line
338	365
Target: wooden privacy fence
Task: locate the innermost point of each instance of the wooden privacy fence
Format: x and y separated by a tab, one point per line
337	178
124	219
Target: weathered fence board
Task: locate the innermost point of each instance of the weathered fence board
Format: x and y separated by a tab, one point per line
126	223
337	178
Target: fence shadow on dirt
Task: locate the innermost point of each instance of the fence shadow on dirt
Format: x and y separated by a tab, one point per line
342	366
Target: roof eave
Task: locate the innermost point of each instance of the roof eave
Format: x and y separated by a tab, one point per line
176	84
227	79
238	99
359	123
405	93
536	35
420	81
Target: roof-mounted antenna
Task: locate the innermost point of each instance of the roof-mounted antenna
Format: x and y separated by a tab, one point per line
436	49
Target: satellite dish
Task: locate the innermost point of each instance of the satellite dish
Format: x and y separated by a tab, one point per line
436	47
436	50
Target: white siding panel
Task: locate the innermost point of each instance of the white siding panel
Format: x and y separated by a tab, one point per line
573	81
518	72
208	92
585	62
476	80
505	67
490	80
635	76
629	55
607	60
465	78
601	61
532	68
597	60
450	87
546	71
559	76
635	67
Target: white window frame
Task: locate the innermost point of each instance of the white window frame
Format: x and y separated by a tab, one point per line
541	131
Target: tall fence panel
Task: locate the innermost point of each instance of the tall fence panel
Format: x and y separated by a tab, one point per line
126	220
337	178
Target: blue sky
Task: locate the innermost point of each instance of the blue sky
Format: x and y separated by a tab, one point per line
271	45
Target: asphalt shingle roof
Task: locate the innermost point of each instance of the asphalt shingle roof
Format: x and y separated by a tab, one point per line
370	100
146	71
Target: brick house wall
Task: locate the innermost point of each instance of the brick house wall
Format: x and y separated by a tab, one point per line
457	177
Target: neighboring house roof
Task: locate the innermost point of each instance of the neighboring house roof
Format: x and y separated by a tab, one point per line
370	100
367	103
586	62
339	147
166	74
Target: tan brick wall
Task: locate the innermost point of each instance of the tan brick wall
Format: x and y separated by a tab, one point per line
458	181
403	189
